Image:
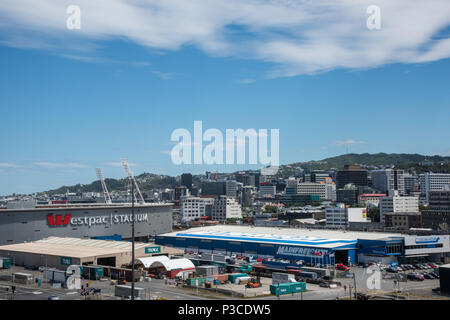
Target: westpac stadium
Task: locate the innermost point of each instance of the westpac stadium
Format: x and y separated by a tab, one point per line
312	246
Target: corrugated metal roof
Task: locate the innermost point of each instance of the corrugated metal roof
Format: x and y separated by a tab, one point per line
73	247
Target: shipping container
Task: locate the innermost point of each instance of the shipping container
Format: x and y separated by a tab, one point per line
232	277
321	272
55	276
207	270
23	278
308	275
298	287
5	263
280	277
280	288
125	291
245	268
194	282
92	273
243	280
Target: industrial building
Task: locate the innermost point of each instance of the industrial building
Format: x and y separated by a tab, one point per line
56	252
312	246
84	221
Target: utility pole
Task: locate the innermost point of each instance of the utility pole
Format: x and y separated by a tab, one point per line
354	280
132	240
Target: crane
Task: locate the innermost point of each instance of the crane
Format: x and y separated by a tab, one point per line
105	190
131	176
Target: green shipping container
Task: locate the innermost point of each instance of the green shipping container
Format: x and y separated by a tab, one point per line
195	281
232	277
92	273
245	269
281	288
195	262
298	287
6	263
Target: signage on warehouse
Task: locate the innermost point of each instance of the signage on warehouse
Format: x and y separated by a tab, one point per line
95	220
152	250
299	251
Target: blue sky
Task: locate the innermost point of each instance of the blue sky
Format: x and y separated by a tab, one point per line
69	108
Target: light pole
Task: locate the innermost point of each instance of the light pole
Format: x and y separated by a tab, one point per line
132	240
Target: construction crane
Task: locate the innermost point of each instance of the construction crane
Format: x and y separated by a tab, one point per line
105	190
133	180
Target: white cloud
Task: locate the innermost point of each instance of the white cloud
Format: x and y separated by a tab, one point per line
163	75
347	142
65	165
119	164
245	81
296	36
9	165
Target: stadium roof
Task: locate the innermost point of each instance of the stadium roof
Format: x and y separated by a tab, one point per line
288	236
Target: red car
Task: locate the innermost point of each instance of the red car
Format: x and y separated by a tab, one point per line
432	265
259	259
341	266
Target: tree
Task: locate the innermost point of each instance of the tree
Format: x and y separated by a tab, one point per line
374	214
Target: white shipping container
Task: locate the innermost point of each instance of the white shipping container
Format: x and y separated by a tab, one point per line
279	277
125	291
207	256
242	279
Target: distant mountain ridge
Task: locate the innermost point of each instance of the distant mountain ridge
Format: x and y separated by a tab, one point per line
377	159
402	161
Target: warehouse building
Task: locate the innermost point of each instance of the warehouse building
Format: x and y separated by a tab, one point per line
56	252
84	221
311	246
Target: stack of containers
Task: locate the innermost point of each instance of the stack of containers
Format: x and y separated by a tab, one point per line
207	271
232	277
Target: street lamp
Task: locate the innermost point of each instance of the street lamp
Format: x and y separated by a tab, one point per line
132	240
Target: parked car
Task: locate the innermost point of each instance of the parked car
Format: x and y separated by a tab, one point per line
341	266
392	270
53	298
432	265
416	266
415	277
32	267
428	276
324	284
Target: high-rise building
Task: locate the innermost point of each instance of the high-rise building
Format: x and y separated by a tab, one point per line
186	180
180	192
326	191
340	216
437	215
411	183
319	176
219	188
388	179
291	186
247	195
192	208
433	182
397	203
267	189
351	174
348	194
226	208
